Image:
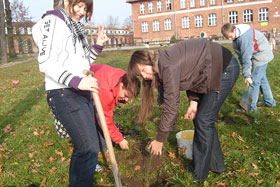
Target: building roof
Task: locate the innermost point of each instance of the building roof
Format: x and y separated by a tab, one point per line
132	1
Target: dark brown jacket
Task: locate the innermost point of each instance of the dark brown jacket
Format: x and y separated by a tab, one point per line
187	66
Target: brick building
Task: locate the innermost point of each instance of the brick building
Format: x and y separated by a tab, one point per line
158	20
24	43
119	36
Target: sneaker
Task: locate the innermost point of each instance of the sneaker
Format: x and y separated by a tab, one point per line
98	168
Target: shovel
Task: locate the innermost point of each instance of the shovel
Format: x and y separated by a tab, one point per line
246	100
106	134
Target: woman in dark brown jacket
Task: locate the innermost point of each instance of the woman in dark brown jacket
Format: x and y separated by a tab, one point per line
207	72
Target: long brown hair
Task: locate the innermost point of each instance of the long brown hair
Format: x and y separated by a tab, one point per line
146	58
72	3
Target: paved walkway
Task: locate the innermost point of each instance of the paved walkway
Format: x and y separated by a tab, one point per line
34	56
17	62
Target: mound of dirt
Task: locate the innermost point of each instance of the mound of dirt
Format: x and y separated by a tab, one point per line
141	168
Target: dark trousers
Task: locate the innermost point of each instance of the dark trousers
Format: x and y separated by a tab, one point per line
207	153
74	109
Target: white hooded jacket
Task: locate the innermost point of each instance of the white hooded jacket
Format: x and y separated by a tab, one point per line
58	59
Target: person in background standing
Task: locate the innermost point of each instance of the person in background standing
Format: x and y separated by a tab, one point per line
254	54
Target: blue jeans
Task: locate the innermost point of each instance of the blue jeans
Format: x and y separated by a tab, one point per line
74	109
260	83
207	153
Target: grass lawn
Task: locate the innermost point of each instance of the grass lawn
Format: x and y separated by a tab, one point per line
31	152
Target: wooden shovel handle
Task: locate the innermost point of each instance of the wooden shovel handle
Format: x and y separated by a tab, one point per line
106	134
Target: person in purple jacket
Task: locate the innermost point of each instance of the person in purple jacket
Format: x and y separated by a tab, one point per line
63	55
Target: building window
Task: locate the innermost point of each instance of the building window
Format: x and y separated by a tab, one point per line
29	30
151	7
186	22
156	25
232	17
159	6
263	14
21	30
183	4
248	16
241	0
198	21
213	2
193	3
142	8
145	26
212	20
168	4
229	1
167	24
202	3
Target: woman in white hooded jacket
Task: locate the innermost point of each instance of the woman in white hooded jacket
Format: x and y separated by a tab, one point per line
63	55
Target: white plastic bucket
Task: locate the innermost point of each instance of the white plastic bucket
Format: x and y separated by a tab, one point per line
185	143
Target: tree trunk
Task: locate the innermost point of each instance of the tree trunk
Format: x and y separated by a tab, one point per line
12	52
4	55
55	3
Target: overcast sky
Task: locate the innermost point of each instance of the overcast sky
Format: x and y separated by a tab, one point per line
102	9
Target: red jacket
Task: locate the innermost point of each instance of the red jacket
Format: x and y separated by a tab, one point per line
108	78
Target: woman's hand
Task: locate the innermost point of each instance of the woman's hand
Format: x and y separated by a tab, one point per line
124	144
192	110
102	37
248	81
156	147
89	83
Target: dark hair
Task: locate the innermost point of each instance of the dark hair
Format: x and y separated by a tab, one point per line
227	28
137	88
146	58
72	3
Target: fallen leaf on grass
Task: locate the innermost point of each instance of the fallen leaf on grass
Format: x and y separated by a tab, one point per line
1	169
7	129
60	153
34	171
171	155
241	139
51	159
220	183
46	144
255	166
35	133
233	134
53	169
241	170
30	155
226	154
260	181
156	119
253	174
278	183
137	168
175	164
43	181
